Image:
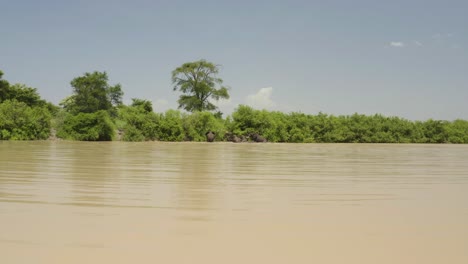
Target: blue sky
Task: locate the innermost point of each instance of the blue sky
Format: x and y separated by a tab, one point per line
404	58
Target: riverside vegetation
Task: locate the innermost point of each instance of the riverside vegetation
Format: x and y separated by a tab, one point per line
95	112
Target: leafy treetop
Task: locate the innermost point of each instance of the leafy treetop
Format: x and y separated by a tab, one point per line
93	93
20	93
198	82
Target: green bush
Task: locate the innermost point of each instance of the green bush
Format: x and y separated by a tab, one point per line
87	127
356	128
271	125
131	133
457	131
18	121
434	131
138	123
170	127
197	124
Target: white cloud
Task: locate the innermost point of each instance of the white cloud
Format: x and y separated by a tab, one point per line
397	44
417	43
221	102
442	35
225	106
261	99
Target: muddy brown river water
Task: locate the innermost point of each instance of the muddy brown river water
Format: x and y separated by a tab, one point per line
78	202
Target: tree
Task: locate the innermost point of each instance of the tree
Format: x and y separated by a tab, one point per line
197	81
28	95
20	93
146	105
92	93
4	88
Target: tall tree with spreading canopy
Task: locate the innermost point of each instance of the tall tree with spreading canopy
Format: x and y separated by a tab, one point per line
93	93
198	82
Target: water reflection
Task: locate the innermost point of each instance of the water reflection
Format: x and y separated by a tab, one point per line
94	179
17	183
204	176
197	178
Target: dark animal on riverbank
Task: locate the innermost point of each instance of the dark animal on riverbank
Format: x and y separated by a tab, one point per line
231	137
210	136
257	138
234	138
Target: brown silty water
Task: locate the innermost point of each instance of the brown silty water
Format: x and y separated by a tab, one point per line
116	202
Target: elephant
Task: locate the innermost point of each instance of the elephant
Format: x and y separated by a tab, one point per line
257	138
234	138
231	137
210	136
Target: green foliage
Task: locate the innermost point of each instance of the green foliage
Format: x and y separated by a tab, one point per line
271	125
95	110
4	88
20	93
87	127
23	114
140	125
434	131
18	121
170	127
356	128
137	122
23	93
197	81
299	127
197	124
58	119
92	93
243	121
132	134
53	109
115	94
68	103
457	131
145	105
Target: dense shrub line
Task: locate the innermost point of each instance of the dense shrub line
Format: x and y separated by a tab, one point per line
138	124
18	121
95	113
322	128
